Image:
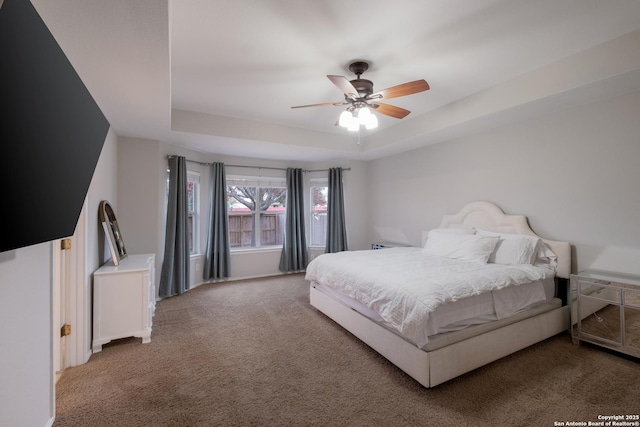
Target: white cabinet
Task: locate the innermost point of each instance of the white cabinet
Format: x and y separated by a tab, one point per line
124	300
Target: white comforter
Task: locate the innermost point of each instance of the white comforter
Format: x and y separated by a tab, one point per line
404	285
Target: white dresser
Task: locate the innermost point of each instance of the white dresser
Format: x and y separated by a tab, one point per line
124	300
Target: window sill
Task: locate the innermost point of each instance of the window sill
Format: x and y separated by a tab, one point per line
255	250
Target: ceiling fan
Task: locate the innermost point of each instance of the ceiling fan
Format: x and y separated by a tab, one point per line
361	99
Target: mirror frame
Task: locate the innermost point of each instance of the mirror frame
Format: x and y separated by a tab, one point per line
112	232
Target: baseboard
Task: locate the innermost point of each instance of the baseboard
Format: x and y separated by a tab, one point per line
235	279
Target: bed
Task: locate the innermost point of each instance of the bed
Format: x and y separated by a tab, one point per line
484	305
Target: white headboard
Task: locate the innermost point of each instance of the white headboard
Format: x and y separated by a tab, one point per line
487	216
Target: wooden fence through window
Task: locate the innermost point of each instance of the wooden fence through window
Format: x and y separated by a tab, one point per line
241	229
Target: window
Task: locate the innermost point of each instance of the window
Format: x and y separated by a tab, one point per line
318	213
256	208
193	209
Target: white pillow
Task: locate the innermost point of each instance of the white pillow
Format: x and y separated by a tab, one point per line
545	257
454	230
462	246
450	231
512	249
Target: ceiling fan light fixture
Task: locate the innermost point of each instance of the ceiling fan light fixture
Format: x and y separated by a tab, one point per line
352	119
367	119
363	115
372	122
353	125
345	118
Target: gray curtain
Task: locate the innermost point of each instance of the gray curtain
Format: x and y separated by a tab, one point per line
174	278
294	250
217	264
336	225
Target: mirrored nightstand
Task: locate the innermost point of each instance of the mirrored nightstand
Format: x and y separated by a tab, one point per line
605	310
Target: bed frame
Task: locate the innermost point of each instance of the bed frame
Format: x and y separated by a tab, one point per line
431	368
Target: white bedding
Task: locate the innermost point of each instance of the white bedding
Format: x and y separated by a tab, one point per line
406	287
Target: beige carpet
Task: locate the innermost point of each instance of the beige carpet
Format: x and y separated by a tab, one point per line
255	353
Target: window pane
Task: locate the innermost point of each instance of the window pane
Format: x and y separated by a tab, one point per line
193	192
241	197
256	216
272	207
190	231
319	215
241	233
272	228
272	198
191	196
241	204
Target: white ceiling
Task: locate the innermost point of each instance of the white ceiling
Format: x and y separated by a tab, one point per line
220	76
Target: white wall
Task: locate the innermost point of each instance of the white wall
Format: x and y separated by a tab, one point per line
103	187
139	196
26	370
574	173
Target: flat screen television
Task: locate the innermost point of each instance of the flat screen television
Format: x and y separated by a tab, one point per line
52	132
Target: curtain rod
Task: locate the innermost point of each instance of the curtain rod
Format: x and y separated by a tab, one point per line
259	167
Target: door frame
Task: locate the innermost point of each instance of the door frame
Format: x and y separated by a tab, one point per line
77	302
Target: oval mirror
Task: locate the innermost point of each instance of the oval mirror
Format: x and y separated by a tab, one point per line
112	232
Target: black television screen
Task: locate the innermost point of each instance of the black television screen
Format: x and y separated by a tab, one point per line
52	132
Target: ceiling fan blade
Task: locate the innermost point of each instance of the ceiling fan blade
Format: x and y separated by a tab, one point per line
390	110
324	104
344	85
401	90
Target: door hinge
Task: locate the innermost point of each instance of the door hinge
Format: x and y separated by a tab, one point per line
65	330
65	244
